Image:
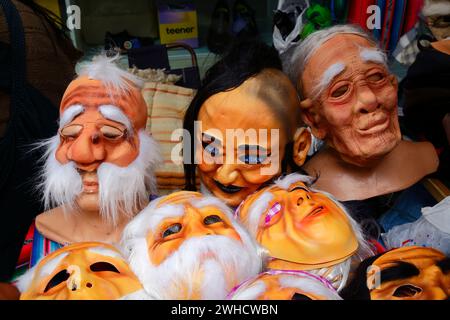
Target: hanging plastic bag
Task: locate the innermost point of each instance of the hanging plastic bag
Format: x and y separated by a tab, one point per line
289	20
431	230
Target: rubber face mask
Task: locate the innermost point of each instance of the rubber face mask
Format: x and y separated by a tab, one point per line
354	99
410	273
302	229
187	246
241	142
98	125
285	285
195	222
82	271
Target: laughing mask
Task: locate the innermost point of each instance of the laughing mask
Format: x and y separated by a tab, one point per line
82	271
407	273
244	121
285	285
101	159
303	228
186	246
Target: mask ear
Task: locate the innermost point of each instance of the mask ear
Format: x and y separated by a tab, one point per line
311	118
302	143
394	81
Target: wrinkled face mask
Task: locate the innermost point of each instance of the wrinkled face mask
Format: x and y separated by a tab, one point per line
300	227
354	99
410	273
285	285
82	271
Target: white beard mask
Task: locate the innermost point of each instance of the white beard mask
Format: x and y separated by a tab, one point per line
121	189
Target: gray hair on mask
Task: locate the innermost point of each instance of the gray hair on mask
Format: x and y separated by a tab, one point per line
297	57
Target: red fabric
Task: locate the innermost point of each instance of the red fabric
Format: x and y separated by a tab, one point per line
412	14
378	246
25	252
358	12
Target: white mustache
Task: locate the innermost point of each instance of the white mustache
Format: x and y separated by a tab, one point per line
218	258
122	190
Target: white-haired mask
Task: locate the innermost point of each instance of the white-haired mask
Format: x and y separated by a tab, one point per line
101	159
186	246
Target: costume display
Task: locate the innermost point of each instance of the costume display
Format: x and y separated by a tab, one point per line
81	271
187	246
304	229
99	167
285	285
408	273
305	174
245	91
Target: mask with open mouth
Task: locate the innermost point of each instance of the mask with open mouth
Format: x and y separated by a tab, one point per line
82	271
406	273
303	228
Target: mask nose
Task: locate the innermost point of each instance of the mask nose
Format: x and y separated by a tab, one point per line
227	174
367	100
74	281
87	149
303	197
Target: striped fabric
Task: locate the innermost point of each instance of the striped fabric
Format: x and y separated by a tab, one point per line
166	106
42	247
35	247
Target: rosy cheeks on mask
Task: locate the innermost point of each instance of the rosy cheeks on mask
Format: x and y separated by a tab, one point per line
196	222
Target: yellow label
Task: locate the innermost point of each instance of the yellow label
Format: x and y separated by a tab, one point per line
186	29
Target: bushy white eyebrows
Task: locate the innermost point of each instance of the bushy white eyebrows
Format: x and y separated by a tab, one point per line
367	55
70	113
327	77
51	265
110	112
113	113
163	213
373	55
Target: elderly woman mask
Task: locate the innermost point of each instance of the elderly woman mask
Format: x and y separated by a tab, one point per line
186	246
303	229
349	100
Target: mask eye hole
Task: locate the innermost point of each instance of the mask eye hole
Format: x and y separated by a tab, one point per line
174	228
407	291
58	278
211	219
299	296
103	266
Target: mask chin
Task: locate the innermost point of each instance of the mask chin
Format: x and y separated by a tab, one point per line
87	202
